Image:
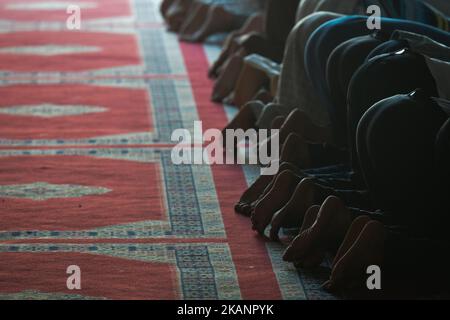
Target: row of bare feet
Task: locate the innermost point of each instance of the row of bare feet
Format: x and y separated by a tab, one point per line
195	21
291	200
288	199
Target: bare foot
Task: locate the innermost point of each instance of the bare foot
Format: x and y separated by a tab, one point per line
352	234
252	193
218	19
283	167
350	270
299	123
254	23
195	20
315	258
258	189
328	231
276	198
264	96
225	84
165	5
277	122
250	81
245	119
176	14
291	215
229	100
296	150
310	218
228	50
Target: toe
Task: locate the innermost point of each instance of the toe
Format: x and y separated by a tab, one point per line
314	260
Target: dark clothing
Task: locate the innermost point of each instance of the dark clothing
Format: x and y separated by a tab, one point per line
416	265
418	242
395	143
341	66
403	145
377	79
280	20
388	47
331	34
380	78
399	144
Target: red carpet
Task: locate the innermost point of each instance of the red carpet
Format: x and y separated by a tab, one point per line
86	176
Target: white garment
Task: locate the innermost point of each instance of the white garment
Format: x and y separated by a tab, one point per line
295	89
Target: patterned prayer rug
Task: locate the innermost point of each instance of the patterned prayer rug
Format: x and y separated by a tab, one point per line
86	176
